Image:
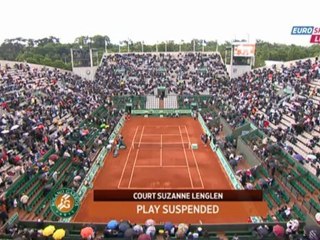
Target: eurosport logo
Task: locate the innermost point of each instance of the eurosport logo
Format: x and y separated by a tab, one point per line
307	30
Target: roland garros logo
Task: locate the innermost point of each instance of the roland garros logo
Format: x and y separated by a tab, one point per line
65	203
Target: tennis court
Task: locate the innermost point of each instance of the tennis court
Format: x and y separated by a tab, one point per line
158	156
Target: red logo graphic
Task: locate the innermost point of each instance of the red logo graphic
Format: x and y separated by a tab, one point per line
315	38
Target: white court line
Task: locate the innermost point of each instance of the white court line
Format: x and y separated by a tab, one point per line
159	143
161	152
157	135
194	156
135	159
186	158
153	166
125	165
161	126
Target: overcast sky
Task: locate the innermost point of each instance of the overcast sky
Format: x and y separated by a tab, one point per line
159	20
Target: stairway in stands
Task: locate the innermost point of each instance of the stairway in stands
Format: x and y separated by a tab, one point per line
171	102
161	103
152	102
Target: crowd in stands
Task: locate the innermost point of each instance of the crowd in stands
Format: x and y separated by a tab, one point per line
140	74
150	231
42	110
254	96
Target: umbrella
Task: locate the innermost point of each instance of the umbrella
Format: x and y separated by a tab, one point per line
151	230
103	125
77	178
138	229
123	226
129	233
263	231
48	231
5	131
41	126
317	216
296	104
59	234
54	157
168	226
183	227
144	237
278	230
86	232
180	234
150	222
289	147
298	157
311	157
113	224
292	225
312	232
14	127
249	186
79	151
84	132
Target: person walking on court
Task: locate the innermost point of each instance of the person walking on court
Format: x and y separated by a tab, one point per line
121	143
204	138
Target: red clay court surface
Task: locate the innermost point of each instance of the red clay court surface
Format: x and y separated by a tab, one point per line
158	156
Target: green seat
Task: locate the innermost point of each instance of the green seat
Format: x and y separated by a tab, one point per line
314	204
275	198
294	173
286	197
269	218
302	170
279	217
301	191
307	185
298	212
315	182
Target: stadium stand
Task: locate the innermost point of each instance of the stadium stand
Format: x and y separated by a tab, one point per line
53	124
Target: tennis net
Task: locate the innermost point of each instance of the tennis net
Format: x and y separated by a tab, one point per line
159	145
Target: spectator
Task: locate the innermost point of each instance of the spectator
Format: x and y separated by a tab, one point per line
24	201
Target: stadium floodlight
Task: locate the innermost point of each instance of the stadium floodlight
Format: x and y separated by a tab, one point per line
106	45
181	42
194	45
128	44
89	41
120	46
204	43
